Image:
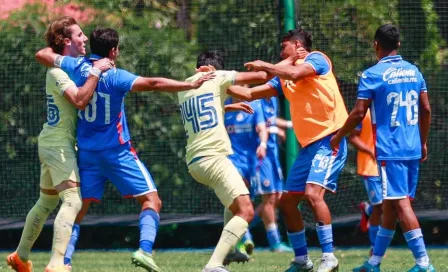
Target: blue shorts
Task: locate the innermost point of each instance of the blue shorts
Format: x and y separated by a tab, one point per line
120	165
374	189
317	164
399	178
268	177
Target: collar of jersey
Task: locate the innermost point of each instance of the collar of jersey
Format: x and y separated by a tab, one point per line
94	57
391	58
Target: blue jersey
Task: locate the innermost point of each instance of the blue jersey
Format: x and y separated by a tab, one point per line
243	135
394	85
102	124
270	111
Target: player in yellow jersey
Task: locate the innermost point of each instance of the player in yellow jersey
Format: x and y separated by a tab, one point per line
208	146
363	139
317	111
59	171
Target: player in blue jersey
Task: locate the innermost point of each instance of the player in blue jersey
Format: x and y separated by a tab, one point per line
105	151
396	93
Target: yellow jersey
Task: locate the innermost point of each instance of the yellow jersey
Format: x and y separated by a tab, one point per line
367	166
202	113
60	128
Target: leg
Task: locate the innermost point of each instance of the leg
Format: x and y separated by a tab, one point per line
149	220
374	222
268	215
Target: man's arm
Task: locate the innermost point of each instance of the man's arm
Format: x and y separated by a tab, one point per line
425	122
254	93
282	70
240	106
47	57
356	141
260	77
355	117
282	123
263	136
168	85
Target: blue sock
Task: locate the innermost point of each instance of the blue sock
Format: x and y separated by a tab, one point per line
382	241
373	231
149	222
246	237
369	210
255	221
416	243
273	235
325	235
72	244
298	243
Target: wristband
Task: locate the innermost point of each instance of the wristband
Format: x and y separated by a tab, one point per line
289	124
263	144
95	71
273	130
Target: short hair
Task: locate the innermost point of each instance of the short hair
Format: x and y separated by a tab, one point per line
57	31
387	37
211	57
102	40
304	37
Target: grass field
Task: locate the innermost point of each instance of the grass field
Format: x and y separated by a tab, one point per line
189	261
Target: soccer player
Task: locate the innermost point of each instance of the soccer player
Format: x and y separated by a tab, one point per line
318	111
362	138
396	93
56	144
208	146
105	151
248	136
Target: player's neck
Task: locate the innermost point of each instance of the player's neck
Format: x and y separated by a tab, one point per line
384	54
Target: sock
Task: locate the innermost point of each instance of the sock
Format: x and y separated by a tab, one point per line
272	235
325	235
35	220
231	234
227	216
373	231
72	244
417	245
63	224
149	223
369	210
247	237
298	243
382	242
255	221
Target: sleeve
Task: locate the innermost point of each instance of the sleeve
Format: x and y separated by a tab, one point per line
423	83
61	79
276	84
229	79
123	80
366	86
259	114
319	63
68	64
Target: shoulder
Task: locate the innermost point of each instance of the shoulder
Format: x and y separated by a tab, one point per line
56	73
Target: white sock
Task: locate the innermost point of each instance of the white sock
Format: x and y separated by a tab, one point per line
301	259
422	261
375	260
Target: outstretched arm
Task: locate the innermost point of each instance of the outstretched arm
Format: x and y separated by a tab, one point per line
283	70
282	123
250	94
47	57
168	85
260	77
240	106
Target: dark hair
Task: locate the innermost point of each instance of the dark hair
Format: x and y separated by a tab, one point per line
211	57
58	30
304	37
102	40
387	37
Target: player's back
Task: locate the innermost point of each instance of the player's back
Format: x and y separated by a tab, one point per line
202	113
396	86
242	131
102	124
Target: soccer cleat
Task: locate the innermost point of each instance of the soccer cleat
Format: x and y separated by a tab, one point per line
236	257
145	260
300	267
282	247
364	224
328	264
215	269
15	263
62	268
366	267
249	247
418	268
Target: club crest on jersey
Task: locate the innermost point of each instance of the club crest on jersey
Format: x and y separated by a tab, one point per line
239	117
266	183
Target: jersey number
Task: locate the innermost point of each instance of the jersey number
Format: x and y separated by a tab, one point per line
200	115
410	102
90	110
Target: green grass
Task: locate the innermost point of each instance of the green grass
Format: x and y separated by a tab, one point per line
189	261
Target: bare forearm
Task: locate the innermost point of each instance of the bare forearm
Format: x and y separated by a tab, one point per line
359	144
46	57
425	123
161	84
240	92
86	91
263	134
353	120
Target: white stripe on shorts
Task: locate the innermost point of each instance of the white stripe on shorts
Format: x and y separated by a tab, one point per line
145	174
330	166
384	180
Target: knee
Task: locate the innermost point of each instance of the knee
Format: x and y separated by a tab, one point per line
286	203
269	200
246	210
72	198
47	203
313	198
151	201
